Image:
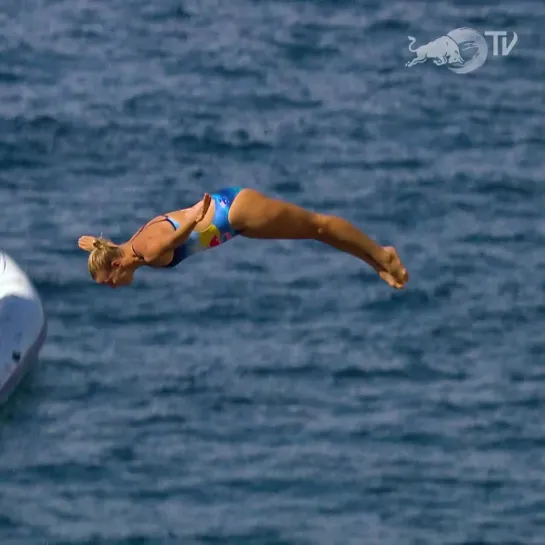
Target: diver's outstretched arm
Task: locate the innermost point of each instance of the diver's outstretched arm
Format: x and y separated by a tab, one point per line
154	249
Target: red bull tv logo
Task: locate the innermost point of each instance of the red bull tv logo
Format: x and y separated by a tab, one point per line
462	50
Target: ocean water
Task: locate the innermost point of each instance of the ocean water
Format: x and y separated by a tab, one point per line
277	392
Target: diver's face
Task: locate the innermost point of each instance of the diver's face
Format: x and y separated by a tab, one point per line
122	277
103	277
115	278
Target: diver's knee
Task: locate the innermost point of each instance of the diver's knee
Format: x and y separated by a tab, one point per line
322	226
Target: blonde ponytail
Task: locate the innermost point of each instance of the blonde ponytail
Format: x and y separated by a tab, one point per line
101	257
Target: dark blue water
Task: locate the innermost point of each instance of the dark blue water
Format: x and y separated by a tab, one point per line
276	393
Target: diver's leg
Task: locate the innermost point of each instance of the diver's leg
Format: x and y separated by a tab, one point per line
256	216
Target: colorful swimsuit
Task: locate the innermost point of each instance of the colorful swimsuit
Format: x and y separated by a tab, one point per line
218	232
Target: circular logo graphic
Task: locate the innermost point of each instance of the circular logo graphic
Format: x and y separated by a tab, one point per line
473	50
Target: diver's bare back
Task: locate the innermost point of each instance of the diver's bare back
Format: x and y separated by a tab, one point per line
157	226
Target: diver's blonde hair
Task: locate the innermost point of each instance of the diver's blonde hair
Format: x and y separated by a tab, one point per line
101	257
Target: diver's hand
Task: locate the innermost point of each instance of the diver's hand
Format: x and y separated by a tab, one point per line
201	208
86	243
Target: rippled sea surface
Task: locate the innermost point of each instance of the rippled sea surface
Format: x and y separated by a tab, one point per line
276	392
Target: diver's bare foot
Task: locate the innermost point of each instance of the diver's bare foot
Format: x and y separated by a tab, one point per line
393	272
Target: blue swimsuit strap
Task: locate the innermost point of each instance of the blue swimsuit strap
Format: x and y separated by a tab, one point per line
172	222
165	218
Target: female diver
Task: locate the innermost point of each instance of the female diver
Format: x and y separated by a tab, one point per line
168	239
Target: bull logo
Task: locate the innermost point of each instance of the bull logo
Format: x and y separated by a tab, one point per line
462	50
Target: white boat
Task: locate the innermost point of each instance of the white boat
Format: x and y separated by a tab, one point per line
23	325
